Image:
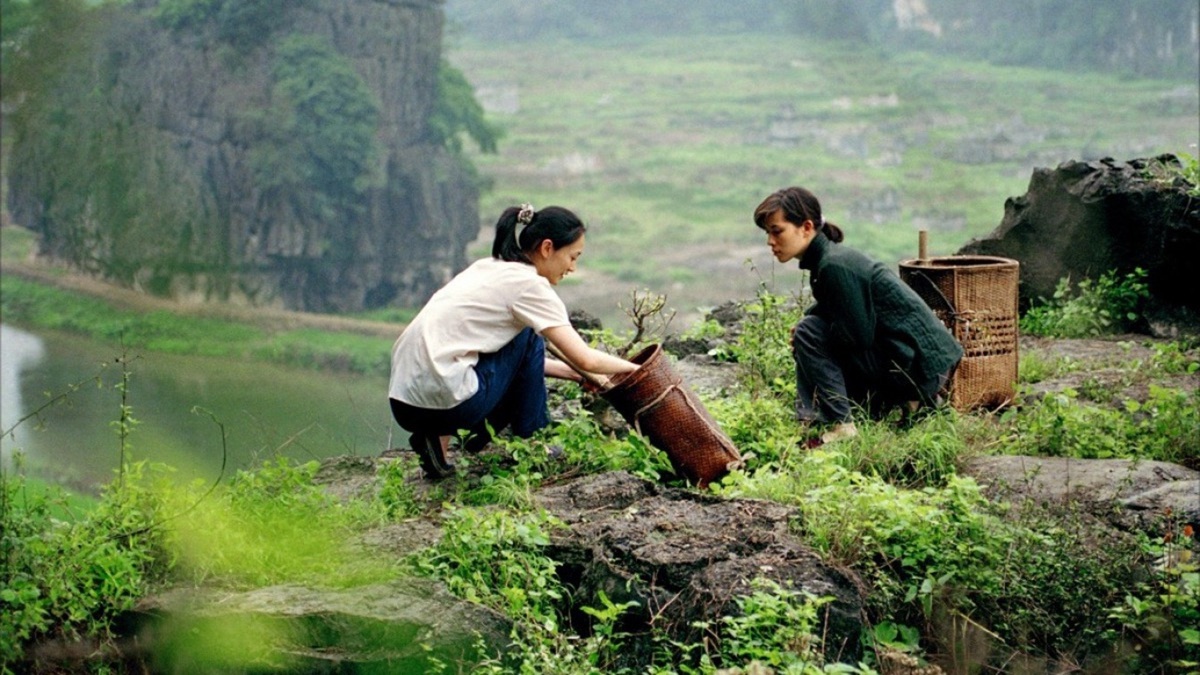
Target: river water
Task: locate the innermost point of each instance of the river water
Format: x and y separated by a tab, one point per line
177	403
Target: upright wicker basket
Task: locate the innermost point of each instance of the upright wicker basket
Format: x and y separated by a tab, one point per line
656	402
976	298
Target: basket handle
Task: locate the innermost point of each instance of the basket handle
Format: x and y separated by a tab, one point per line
949	305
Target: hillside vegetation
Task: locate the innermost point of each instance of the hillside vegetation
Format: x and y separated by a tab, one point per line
1132	37
1054	586
665	145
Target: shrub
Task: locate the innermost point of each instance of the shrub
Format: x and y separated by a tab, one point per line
1164	427
947	550
274	525
776	627
457	112
764	346
1104	307
1162	614
72	578
498	559
1059	575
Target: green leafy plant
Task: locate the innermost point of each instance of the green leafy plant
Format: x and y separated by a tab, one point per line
273	524
1163	613
946	551
1060	571
898	637
761	427
1177	357
1185	168
396	492
1108	305
1189	171
708	329
1164	427
776	628
589	449
498	559
604	633
764	346
456	112
72	578
1034	367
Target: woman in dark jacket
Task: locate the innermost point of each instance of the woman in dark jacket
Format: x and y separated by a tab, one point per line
868	339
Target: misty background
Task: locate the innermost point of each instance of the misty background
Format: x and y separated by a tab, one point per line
665	123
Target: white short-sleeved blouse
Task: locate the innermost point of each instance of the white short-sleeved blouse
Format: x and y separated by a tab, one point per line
479	311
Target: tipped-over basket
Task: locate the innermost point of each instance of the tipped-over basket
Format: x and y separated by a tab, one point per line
656	402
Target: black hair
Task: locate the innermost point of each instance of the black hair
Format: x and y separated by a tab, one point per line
515	239
797	205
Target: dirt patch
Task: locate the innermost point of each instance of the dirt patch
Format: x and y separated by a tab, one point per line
1106	370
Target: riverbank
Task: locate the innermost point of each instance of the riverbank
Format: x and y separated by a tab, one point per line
268	318
39	295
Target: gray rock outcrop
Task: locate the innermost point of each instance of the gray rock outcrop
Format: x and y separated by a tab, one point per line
1083	219
684	557
399	627
1131	495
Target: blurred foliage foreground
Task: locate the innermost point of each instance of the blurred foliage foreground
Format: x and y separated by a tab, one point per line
888	504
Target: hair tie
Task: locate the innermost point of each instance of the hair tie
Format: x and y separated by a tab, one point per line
524	217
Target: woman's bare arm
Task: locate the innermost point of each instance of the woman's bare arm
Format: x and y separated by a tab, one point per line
556	368
572	346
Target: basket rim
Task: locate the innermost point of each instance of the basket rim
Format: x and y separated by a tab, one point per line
642	358
962	261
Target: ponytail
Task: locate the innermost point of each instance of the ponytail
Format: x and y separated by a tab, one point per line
521	229
832	231
507	245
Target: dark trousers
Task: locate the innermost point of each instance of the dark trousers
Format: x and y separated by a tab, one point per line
512	392
830	382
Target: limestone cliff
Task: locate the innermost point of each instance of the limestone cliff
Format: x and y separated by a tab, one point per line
184	156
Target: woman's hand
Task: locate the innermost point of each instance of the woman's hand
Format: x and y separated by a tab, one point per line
596	385
591	382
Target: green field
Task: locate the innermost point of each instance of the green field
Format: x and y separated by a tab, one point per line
665	146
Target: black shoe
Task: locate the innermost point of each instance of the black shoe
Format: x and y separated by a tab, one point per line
433	459
554	453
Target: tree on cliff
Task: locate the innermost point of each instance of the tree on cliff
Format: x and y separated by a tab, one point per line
307	154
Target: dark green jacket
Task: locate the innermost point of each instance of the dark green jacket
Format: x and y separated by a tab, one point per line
869	308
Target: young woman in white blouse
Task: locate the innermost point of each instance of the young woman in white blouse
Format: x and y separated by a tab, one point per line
475	355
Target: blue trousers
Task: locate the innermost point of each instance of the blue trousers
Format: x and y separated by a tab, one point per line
830	382
512	392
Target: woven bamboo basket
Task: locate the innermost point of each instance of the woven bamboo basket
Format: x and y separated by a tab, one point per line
656	402
976	298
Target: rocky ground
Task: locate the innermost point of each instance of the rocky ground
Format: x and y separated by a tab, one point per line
624	530
685	556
